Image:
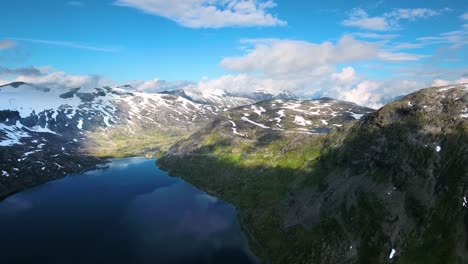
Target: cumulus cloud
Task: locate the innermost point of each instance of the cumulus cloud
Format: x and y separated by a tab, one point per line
345	84
358	17
347	75
374	93
51	78
210	13
443	82
6	44
245	83
279	57
275	57
310	70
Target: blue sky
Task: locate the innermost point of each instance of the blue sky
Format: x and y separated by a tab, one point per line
239	44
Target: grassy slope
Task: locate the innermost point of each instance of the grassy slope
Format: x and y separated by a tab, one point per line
118	143
256	177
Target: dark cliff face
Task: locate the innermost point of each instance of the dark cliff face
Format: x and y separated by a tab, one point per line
389	188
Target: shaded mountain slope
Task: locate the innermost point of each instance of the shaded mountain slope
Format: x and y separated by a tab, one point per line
389	188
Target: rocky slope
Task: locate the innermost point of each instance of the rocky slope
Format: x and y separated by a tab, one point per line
294	116
388	188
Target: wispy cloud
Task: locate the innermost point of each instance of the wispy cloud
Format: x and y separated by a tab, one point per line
454	39
6	44
358	17
70	44
53	78
368	35
209	13
27	71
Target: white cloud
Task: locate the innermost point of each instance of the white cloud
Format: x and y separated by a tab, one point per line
413	13
399	56
210	13
60	79
282	57
365	93
245	83
347	75
345	84
368	35
464	16
455	39
291	57
158	85
310	69
358	17
6	44
443	82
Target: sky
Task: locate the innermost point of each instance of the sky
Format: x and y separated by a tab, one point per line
367	52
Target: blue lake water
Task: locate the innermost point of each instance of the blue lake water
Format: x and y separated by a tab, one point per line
127	212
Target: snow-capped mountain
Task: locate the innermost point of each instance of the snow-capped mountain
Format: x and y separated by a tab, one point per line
294	116
261	95
66	111
51	130
212	97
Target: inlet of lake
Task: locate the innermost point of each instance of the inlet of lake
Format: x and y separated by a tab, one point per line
128	211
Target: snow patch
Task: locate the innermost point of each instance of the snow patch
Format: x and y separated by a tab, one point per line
392	254
4	173
301	121
259	110
31	152
13	134
438	148
252	122
356	116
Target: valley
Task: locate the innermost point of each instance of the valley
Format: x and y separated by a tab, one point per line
314	181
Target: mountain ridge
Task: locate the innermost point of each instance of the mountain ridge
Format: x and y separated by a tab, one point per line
383	189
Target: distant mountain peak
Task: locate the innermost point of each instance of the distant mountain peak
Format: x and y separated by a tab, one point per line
14	84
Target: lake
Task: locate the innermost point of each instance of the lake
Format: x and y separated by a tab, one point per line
128	211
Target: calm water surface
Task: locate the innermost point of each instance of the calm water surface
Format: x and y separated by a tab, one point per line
128	212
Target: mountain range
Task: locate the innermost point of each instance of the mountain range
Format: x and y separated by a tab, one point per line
314	181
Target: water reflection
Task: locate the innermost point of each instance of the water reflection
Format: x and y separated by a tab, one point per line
126	212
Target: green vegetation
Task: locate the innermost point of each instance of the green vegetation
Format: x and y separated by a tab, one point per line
119	143
250	176
349	196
